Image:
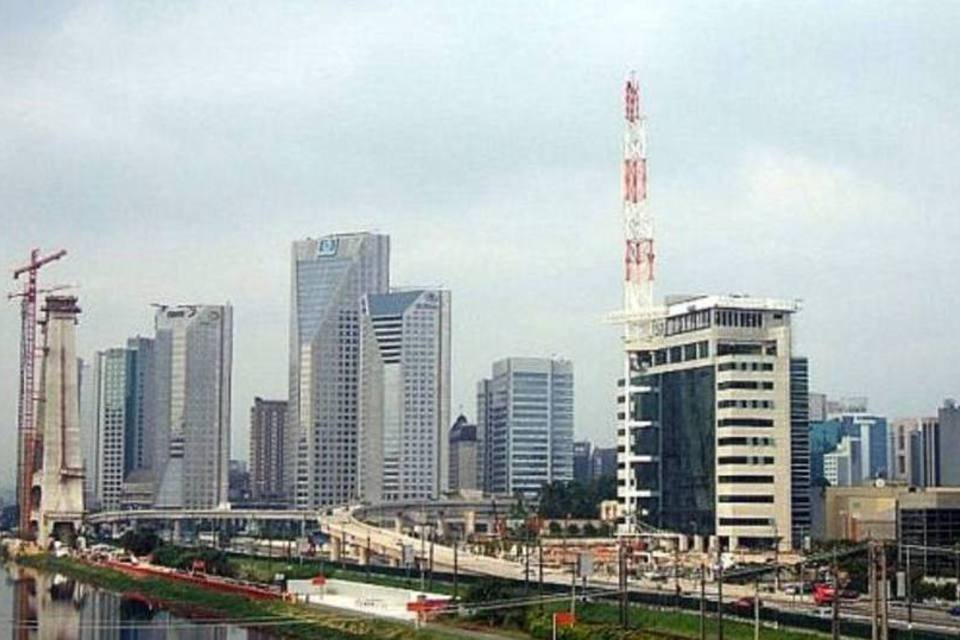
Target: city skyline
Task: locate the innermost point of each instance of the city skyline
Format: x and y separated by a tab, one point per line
772	162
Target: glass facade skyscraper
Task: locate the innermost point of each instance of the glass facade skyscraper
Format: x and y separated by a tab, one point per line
329	276
527	413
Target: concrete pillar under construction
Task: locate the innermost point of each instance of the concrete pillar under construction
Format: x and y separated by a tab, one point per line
61	476
336	549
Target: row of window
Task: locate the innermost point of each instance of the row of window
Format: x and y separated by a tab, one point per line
745	460
728	318
745	422
744	441
746	522
767	347
745	366
745	384
745	499
745	479
745	404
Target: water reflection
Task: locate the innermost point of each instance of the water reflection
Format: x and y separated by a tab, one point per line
39	606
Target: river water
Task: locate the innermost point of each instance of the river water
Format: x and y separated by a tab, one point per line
40	606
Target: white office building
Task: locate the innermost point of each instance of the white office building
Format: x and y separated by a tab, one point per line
329	276
404	395
194	357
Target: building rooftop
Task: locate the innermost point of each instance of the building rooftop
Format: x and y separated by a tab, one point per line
686	303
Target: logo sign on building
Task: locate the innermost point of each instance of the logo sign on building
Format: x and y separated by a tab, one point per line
327	247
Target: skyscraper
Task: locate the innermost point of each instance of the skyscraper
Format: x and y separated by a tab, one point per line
465	473
800	450
404	394
194	358
528	410
707	421
329	276
948	444
582	463
484	443
267	427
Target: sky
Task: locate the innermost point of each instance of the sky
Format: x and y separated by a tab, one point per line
796	150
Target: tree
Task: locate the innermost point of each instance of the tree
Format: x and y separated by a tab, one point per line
140	542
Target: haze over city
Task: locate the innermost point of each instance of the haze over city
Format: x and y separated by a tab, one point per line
797	152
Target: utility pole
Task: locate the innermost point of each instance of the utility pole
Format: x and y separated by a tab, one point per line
703	600
456	545
884	594
573	587
835	602
874	593
540	581
719	592
756	607
909	588
526	563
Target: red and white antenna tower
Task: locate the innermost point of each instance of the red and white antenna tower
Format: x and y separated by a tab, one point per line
637	219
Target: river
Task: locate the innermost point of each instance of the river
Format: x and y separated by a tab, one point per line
41	606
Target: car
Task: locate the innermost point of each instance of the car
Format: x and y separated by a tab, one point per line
824	612
954	611
742	605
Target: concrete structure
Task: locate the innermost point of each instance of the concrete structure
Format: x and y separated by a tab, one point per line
267	435
59	481
529	421
948	445
582	463
194	357
706	421
465	472
818	407
88	430
404	402
329	276
871	431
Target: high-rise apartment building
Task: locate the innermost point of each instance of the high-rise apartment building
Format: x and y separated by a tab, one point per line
193	357
329	276
527	410
843	467
708	418
906	449
404	395
464	471
267	427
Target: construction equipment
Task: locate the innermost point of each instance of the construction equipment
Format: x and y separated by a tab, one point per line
27	441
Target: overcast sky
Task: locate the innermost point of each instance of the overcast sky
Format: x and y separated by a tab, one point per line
797	150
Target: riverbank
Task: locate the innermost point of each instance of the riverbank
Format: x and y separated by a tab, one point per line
283	619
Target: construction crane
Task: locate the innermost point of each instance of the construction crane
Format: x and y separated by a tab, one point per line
27	440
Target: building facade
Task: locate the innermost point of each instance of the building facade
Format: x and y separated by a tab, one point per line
465	471
484	443
329	276
800	482
193	358
529	422
906	448
843	467
948	444
267	428
404	395
707	421
582	463
603	463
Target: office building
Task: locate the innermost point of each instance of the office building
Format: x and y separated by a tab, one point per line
193	357
843	467
948	444
871	430
800	482
529	421
465	472
907	450
329	276
484	443
708	419
267	428
582	462
818	407
603	463
404	383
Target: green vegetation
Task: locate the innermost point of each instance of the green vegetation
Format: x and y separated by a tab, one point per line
580	500
292	620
